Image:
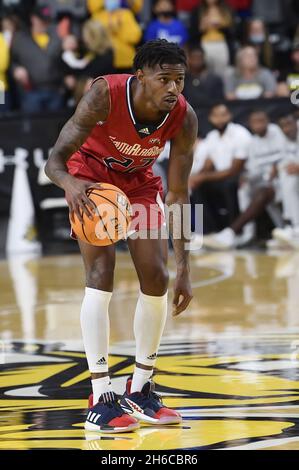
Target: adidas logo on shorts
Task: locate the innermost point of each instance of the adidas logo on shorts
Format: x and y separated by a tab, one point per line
152	356
102	361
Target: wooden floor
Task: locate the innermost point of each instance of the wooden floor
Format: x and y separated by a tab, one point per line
229	364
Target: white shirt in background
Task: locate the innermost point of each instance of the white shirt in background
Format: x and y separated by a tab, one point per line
164	155
222	149
292	148
199	156
265	152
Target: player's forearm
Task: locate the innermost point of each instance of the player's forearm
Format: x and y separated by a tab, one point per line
69	141
178	224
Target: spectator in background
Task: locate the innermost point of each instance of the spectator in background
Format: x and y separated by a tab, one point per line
134	5
99	46
288	170
72	56
257	36
166	26
67	15
37	66
9	24
280	19
248	80
288	79
74	8
266	150
122	28
184	8
212	24
97	59
271	12
242	7
201	86
4	64
20	8
216	184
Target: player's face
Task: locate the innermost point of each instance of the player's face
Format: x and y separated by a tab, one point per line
163	85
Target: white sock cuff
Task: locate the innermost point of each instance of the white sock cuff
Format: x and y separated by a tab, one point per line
96	292
153	298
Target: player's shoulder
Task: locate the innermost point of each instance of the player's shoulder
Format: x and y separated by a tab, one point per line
190	119
188	128
116	80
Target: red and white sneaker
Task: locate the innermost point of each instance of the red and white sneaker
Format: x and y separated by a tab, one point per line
108	416
147	406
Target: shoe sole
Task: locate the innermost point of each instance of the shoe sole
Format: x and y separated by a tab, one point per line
95	428
213	245
142	418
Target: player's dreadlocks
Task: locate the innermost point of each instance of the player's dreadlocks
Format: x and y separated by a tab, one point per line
159	52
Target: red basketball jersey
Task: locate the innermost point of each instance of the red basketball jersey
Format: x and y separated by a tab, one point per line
121	143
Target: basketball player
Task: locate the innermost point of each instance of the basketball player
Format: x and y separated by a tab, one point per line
117	132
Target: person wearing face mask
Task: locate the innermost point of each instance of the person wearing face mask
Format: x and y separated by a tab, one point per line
134	5
123	30
212	23
166	26
256	35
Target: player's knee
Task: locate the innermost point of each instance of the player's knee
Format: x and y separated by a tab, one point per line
162	277
100	275
156	278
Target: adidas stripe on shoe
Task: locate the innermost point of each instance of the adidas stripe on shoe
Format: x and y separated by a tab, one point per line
107	416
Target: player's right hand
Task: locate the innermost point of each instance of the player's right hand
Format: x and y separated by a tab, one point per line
78	202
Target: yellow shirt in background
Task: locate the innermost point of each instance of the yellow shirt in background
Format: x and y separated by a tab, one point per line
97	5
4	63
124	32
42	40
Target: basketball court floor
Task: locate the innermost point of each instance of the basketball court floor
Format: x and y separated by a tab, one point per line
229	364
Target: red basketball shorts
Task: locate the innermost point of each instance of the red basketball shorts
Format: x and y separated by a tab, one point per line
143	189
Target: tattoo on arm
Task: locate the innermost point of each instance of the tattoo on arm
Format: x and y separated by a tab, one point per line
93	107
180	164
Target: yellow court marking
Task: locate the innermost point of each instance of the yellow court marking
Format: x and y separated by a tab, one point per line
147	438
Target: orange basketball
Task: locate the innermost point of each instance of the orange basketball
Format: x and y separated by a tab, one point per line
111	219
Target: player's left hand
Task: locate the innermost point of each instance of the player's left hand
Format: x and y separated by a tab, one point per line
182	293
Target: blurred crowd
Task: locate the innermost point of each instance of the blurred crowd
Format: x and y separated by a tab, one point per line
245	175
51	50
237	49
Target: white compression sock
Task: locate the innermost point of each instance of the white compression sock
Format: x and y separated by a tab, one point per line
95	328
149	322
140	377
99	386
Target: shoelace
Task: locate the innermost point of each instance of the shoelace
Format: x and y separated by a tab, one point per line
146	399
110	399
153	394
